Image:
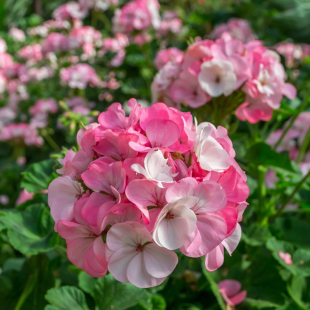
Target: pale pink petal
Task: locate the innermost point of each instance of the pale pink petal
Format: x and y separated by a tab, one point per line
229	287
215	258
159	262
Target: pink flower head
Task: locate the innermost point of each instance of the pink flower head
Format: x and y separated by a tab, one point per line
69	10
170	23
57	42
31	52
137	15
286	257
21	133
170	54
239	29
135	258
149	183
43	106
79	76
98	4
230	290
17	34
23	197
3	46
85	34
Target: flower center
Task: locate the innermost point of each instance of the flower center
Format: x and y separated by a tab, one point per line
170	216
139	248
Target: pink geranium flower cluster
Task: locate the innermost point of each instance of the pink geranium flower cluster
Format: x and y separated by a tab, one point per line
210	69
79	76
143	186
293	52
292	143
239	29
21	133
171	23
137	16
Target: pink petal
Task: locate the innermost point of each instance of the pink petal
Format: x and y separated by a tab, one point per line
215	258
233	240
239	298
229	287
119	262
76	250
184	188
162	133
70	230
138	276
95	202
159	262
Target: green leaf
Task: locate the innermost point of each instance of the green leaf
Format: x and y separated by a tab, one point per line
256	235
294	231
213	284
260	304
38	176
65	298
295	290
262	154
158	302
111	294
87	283
31	231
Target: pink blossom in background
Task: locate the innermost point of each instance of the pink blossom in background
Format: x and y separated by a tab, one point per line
98	4
4	199
292	52
23	197
209	69
69	10
157	183
85	34
17	34
57	42
3	46
230	290
31	52
286	257
79	76
137	15
170	23
43	106
21	133
167	55
239	29
21	161
7	114
6	60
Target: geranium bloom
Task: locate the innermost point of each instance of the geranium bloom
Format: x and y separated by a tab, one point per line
211	69
151	182
239	29
79	76
137	15
17	34
230	290
20	133
286	257
98	4
70	9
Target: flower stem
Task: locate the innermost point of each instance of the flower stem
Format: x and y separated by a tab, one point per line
301	108
280	211
304	147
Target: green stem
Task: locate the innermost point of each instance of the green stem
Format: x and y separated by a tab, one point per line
261	171
51	142
304	147
27	290
301	109
213	285
280	211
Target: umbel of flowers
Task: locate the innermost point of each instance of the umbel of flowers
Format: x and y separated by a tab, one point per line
143	186
222	76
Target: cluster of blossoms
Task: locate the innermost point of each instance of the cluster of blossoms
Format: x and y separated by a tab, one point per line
239	29
292	143
293	53
143	186
21	133
210	69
